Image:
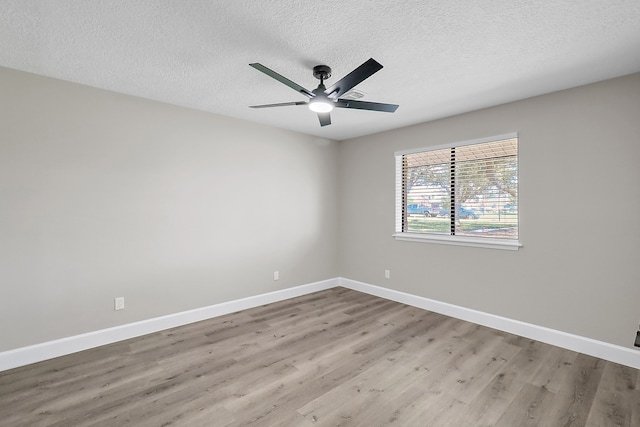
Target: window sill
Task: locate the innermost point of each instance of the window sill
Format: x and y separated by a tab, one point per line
509	245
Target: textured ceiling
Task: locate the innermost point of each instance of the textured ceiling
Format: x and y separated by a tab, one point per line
440	57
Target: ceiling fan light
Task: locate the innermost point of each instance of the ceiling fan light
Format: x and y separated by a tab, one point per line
320	105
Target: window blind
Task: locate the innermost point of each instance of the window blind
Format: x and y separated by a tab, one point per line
466	190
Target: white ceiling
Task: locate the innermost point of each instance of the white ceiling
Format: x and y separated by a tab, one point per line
440	57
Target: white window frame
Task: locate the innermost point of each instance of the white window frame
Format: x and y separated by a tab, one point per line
479	242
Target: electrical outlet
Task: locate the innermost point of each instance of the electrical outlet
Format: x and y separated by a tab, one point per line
387	274
276	275
119	303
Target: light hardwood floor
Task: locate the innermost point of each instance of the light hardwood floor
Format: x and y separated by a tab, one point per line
332	358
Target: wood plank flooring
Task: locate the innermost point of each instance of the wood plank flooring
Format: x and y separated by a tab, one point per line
332	358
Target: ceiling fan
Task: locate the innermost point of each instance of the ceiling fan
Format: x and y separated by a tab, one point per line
323	100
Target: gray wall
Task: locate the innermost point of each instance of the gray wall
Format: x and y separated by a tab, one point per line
579	269
104	195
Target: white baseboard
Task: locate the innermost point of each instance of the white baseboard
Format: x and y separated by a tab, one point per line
48	350
591	347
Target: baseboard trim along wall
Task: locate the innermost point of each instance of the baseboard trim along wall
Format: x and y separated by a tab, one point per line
60	347
591	347
48	350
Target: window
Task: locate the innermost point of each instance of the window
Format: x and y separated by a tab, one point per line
465	193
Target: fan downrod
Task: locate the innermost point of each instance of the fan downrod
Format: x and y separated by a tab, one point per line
321	72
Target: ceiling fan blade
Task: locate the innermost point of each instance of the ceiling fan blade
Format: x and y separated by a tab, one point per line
281	104
325	119
349	81
282	79
364	105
